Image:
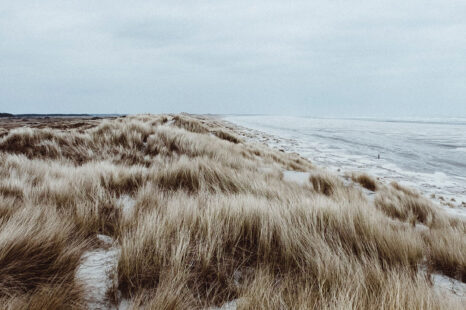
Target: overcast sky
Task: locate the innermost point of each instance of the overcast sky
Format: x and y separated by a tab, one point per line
318	58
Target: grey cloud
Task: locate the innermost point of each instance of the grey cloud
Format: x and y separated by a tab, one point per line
300	57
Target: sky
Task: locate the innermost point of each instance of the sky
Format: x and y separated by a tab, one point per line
324	58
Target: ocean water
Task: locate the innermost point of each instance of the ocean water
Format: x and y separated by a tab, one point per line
429	154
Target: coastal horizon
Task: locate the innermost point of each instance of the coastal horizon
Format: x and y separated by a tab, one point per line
233	155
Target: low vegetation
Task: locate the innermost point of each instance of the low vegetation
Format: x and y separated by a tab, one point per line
202	217
365	181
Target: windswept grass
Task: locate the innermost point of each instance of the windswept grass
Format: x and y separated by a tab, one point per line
407	205
325	183
202	218
39	254
447	251
365	180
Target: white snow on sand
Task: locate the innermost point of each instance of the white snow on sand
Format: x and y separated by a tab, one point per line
458	212
450	285
231	305
296	176
124	305
126	204
97	272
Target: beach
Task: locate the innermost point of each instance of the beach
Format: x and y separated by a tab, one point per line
427	154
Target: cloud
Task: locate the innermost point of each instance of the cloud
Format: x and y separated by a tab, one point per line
301	57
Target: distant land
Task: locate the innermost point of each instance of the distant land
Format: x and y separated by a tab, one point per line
32	115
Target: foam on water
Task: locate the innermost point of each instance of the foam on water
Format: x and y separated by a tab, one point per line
429	154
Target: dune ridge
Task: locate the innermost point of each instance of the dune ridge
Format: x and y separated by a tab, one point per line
200	217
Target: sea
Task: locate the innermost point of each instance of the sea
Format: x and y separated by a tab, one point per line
428	154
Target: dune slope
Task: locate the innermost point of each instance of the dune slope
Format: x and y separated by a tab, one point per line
194	215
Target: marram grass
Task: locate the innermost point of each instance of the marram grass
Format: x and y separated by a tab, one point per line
213	221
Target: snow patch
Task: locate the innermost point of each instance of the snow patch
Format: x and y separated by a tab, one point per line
447	284
457	212
127	204
124	305
107	240
97	271
231	305
296	176
421	227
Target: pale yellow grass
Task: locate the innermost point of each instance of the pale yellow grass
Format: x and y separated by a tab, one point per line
213	221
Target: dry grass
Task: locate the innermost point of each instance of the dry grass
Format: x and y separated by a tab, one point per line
365	180
447	251
407	205
213	221
39	254
325	183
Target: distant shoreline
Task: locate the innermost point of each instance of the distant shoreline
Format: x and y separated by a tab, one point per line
38	115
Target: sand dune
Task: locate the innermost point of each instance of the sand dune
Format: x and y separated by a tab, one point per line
199	216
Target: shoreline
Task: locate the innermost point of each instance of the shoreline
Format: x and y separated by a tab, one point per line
453	203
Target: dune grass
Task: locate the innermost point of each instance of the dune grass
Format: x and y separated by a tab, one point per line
213	221
365	180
